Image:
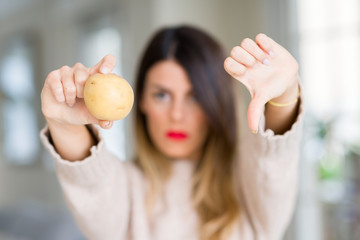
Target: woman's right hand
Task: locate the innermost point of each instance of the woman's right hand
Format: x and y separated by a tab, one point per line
62	96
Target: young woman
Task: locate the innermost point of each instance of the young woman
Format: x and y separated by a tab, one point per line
195	176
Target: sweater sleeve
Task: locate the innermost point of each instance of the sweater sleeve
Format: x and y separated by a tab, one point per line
268	170
95	189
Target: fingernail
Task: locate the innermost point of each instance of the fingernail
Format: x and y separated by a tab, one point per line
107	123
104	69
254	131
266	62
271	53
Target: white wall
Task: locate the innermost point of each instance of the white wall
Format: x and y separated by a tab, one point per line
230	21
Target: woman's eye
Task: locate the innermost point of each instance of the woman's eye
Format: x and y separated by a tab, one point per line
193	98
161	96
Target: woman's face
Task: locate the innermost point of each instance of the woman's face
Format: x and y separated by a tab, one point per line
176	122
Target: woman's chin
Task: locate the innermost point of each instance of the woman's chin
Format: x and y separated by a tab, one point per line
179	155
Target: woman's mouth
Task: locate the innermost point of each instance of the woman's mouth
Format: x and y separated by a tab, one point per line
176	135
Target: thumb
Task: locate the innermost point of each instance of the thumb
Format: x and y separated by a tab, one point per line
90	119
106	124
255	111
106	65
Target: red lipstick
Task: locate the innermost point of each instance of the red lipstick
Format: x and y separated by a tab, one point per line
176	135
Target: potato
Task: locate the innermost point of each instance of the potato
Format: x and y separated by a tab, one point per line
108	96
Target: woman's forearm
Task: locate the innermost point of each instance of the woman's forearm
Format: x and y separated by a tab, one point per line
281	118
72	142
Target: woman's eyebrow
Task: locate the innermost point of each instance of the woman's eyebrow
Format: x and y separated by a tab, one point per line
162	88
191	92
157	86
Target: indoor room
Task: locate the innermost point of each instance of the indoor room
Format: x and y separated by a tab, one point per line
323	37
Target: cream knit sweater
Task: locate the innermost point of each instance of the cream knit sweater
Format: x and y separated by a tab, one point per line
107	196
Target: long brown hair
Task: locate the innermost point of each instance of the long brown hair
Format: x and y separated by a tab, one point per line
213	191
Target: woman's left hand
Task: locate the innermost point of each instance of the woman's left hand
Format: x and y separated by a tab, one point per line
267	70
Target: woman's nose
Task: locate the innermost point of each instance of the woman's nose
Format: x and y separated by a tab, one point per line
177	111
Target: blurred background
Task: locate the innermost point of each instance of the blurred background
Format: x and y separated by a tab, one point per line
38	36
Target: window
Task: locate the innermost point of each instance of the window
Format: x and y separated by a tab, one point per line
329	61
20	142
